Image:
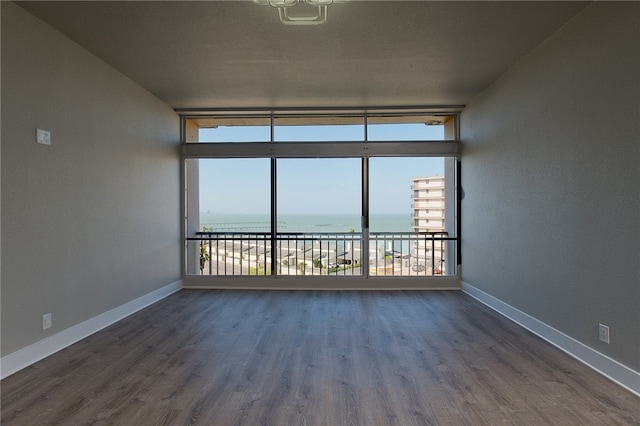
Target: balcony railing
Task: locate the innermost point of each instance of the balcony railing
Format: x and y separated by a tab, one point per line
435	214
333	254
430	185
426	197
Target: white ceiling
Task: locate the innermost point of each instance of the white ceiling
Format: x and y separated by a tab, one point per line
236	54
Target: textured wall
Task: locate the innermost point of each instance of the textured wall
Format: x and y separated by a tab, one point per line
92	221
551	175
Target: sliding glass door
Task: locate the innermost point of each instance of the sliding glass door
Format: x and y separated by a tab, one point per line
318	216
231	219
408	232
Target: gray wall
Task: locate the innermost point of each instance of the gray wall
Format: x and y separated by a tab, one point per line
551	175
92	221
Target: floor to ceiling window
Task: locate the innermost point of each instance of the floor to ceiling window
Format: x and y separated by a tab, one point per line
408	228
319	213
235	207
365	195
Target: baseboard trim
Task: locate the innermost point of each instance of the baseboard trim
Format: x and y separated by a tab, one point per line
31	354
608	367
321	283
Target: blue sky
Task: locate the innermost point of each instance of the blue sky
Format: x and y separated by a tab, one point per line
314	186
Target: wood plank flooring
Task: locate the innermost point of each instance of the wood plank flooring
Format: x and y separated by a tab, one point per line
314	358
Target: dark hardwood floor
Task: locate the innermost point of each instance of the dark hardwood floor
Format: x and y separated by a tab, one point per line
314	358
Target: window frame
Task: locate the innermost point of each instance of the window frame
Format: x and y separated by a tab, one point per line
365	149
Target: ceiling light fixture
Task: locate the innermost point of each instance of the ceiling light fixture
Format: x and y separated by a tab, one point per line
314	11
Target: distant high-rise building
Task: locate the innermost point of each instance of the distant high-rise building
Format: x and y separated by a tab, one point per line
428	216
428	204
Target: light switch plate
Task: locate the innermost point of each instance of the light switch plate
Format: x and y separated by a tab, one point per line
47	321
43	137
603	333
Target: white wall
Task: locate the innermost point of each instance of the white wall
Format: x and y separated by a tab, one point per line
92	221
551	177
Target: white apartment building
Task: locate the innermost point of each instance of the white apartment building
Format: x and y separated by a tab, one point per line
428	204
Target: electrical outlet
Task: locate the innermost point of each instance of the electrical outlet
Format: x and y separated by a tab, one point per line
603	332
43	137
47	321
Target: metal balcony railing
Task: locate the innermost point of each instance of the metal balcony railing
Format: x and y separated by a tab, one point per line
426	197
409	253
252	253
420	214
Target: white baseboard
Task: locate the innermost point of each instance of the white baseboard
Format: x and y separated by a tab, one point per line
320	283
24	357
608	367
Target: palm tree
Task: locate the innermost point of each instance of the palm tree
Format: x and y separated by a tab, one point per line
204	257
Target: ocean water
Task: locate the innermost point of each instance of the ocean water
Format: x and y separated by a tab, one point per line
307	223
